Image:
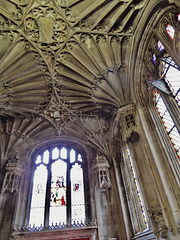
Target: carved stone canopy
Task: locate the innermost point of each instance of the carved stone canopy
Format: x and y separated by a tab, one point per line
14	164
101	166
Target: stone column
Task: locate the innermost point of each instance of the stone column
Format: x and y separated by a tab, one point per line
133	135
102	184
9	197
169	188
122	196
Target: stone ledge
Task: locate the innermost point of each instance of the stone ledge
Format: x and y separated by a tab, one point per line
146	235
65	234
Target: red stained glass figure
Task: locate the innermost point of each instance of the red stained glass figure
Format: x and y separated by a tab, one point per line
76	187
170	31
62	201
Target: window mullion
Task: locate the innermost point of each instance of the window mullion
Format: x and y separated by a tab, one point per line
68	189
48	190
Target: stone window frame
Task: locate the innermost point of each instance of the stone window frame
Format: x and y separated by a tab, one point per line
86	183
158	33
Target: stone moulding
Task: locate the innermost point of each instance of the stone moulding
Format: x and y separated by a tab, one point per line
69	233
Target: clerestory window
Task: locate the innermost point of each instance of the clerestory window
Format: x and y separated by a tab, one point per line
58	192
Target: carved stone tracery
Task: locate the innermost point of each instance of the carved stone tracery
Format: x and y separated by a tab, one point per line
45	26
14	171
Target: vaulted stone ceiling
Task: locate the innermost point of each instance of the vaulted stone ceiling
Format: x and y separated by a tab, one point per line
65	62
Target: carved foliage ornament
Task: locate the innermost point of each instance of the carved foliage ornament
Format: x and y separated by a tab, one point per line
15	10
45	26
56	111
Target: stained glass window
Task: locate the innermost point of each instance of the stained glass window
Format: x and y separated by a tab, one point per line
58	188
178	17
58	192
170	31
154	58
77	193
160	46
168	122
171	75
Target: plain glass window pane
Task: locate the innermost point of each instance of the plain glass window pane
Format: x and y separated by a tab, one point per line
38	160
37	217
55	153
38	196
64	153
46	157
77	193
72	156
79	158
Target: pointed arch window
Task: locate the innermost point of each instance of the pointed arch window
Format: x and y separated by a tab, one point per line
168	74
168	122
58	192
171	76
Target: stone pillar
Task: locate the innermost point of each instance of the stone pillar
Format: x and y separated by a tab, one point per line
169	191
102	184
122	196
9	197
133	136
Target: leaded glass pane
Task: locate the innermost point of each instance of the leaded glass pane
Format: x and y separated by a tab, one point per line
167	120
178	17
72	156
38	159
160	46
175	138
161	106
46	157
172	77
55	153
38	196
170	31
64	153
168	123
58	192
154	58
77	193
79	158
